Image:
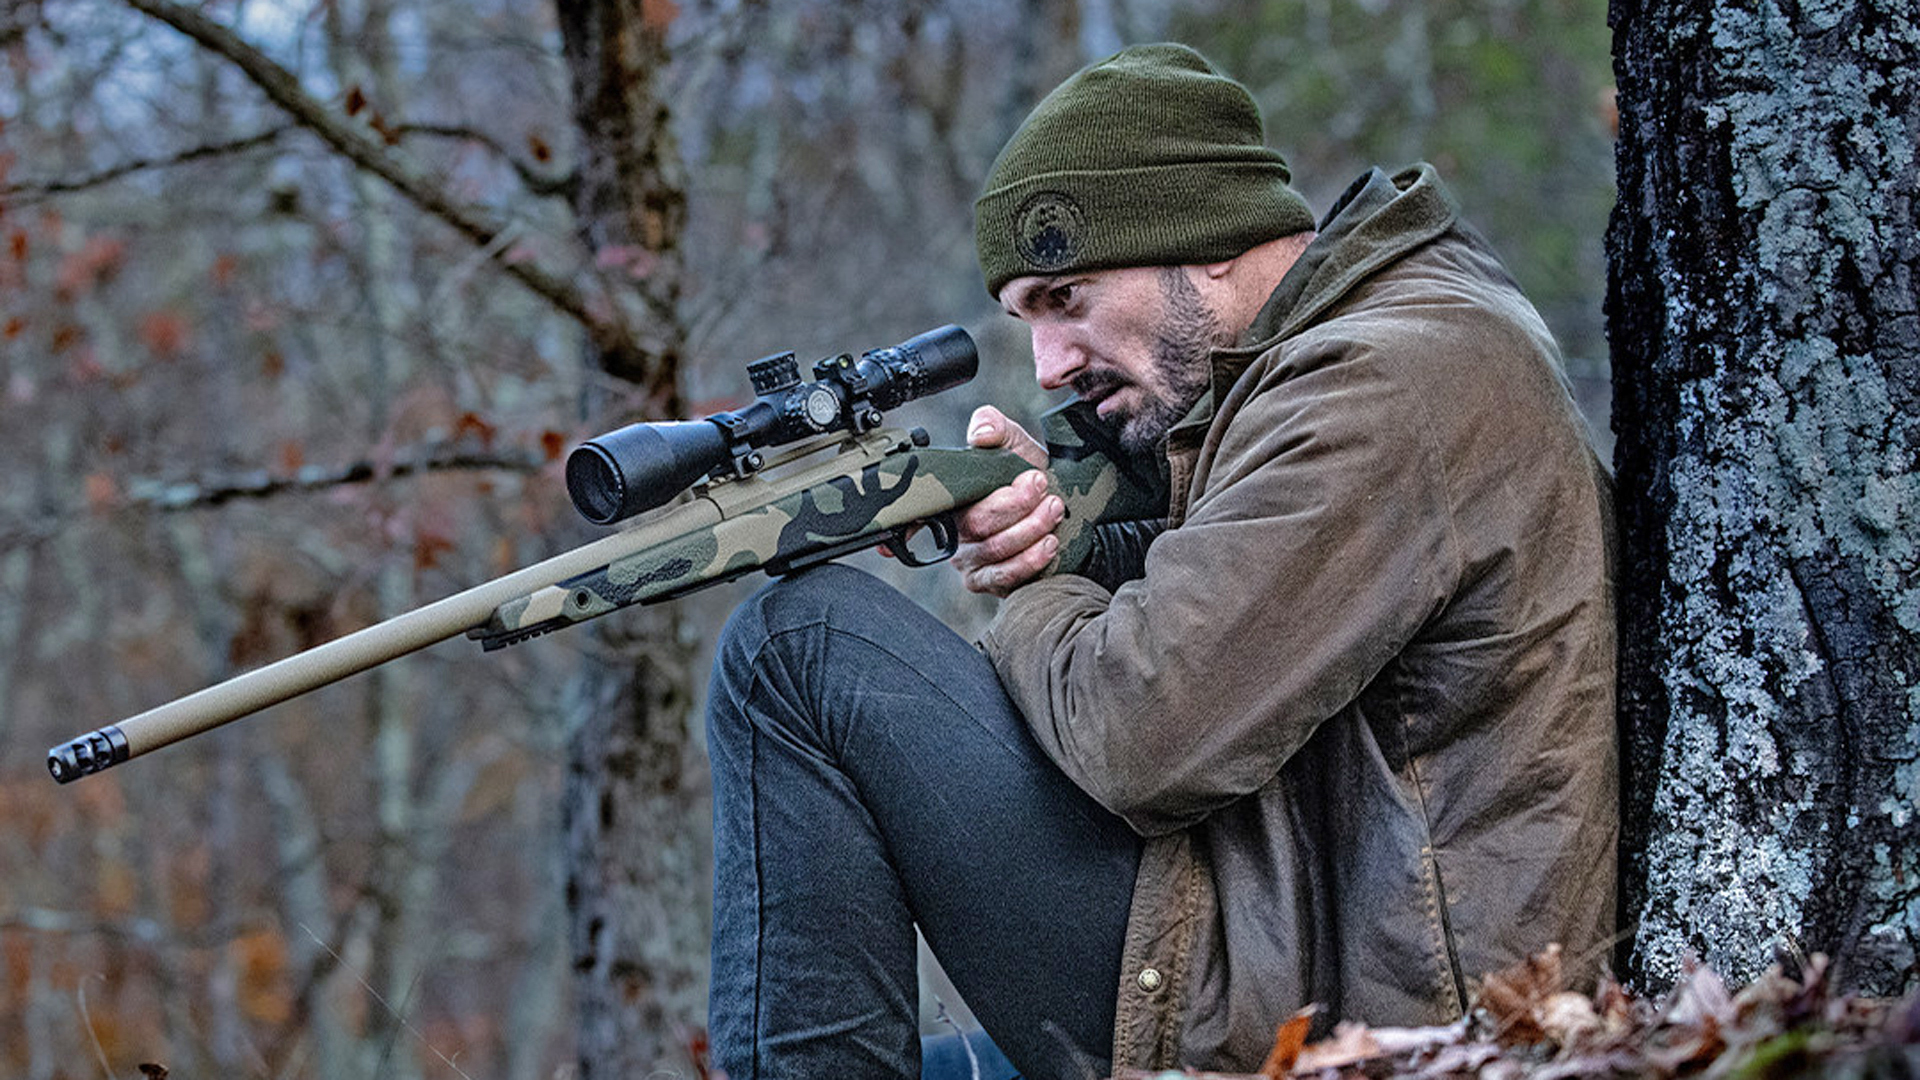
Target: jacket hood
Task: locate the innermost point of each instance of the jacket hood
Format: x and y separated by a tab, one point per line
1376	221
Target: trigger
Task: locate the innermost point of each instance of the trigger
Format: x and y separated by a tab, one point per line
946	540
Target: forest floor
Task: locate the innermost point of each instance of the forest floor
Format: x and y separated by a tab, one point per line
1525	1025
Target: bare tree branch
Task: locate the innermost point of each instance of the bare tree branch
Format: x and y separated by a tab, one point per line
545	185
542	184
42	920
45	188
370	153
153	493
194	494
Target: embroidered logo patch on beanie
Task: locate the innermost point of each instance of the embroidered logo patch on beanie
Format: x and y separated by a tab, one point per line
1047	230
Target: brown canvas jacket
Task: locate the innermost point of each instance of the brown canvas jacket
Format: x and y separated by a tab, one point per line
1361	702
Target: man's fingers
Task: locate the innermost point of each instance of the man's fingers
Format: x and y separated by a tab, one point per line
1016	537
1001	509
1019	545
989	427
1001	578
1018	441
1006	539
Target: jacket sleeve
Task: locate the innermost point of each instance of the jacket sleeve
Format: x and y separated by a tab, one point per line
1316	544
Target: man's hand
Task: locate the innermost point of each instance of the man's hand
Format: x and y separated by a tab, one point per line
1007	539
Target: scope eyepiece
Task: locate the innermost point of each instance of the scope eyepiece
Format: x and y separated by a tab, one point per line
639	467
923	365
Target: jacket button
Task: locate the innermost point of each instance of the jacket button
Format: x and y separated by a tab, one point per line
1149	979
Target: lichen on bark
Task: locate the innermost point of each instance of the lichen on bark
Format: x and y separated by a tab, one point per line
1767	351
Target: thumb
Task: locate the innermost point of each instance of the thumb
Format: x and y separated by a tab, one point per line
989	427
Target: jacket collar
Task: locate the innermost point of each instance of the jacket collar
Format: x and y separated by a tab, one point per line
1378	220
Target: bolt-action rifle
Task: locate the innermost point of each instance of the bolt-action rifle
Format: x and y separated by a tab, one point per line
804	474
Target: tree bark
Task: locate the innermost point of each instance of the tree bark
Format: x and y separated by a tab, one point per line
1766	351
636	833
630	202
637	858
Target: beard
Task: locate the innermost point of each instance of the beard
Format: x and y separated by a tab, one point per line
1179	371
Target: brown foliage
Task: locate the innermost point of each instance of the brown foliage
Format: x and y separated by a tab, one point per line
658	15
95	262
1525	1023
165	333
265	991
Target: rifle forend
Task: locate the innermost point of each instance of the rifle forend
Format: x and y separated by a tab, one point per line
844	486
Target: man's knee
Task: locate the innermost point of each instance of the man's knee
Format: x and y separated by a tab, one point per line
822	599
822	595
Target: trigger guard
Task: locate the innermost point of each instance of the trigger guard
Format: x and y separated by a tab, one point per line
945	535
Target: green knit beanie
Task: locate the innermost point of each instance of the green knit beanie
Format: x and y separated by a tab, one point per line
1148	158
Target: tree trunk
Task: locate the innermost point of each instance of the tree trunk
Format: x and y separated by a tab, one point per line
636	834
637	858
630	202
1766	350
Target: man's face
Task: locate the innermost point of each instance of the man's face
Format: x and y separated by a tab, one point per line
1133	341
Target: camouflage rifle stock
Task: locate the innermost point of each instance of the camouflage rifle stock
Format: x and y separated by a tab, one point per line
838	483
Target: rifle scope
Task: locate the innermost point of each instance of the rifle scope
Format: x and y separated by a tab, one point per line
641	466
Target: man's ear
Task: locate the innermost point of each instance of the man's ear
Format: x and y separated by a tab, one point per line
1218	270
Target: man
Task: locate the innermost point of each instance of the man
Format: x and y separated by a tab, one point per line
1337	732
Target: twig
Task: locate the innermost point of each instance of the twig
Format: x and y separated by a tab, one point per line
48	921
538	183
80	993
368	152
43	189
191	494
404	1022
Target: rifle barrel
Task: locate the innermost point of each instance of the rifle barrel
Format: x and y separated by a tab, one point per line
306	671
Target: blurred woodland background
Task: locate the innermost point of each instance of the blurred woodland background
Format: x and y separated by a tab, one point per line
267	376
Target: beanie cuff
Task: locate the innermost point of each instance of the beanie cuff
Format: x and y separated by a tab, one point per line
1156	215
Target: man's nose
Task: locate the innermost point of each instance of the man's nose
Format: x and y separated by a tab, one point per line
1057	357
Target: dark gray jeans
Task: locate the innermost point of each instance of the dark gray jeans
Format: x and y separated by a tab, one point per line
869	775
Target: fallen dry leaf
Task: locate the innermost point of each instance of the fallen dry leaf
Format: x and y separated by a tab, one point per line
1288	1041
1699	996
1683	1045
1569	1019
1790	1022
1350	1043
1514	998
